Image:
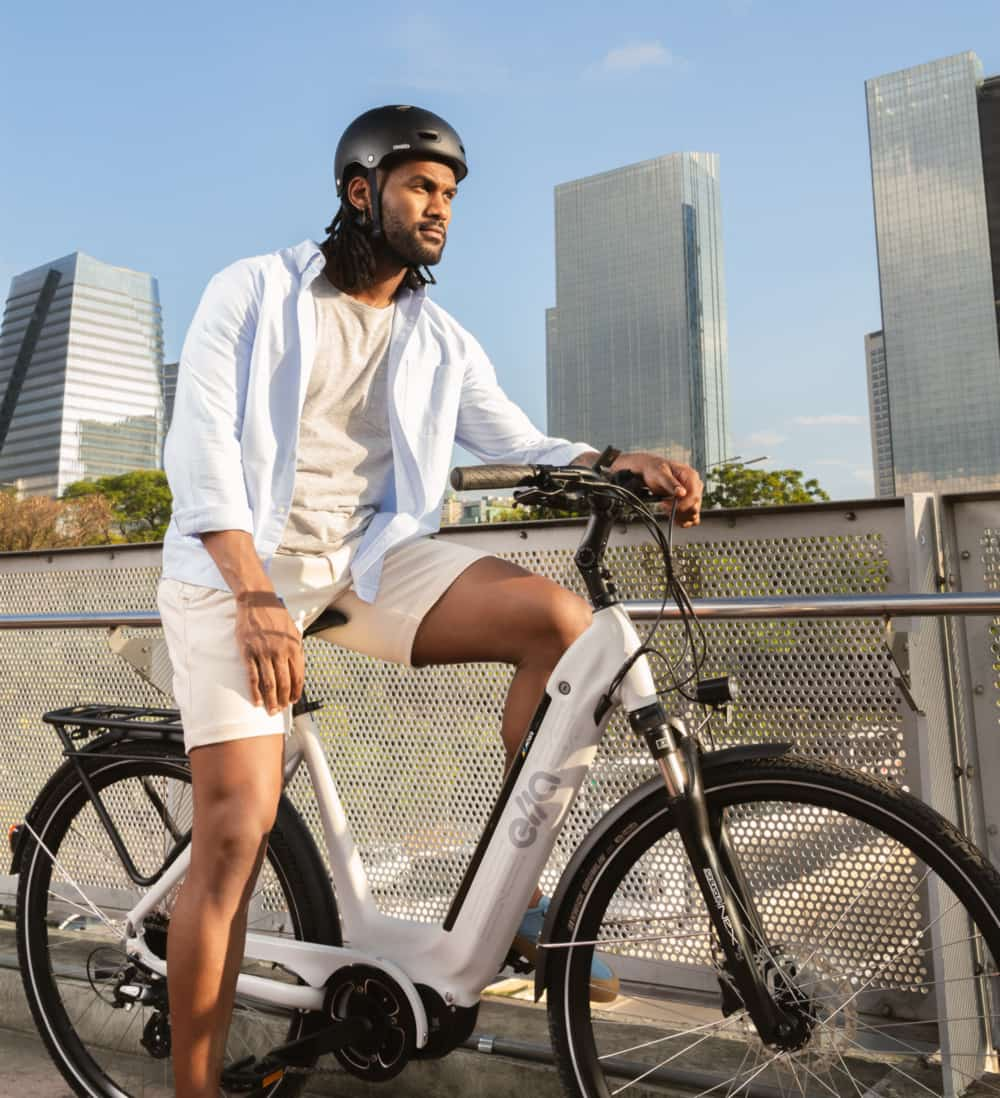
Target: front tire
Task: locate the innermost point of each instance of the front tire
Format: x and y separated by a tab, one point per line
875	911
73	893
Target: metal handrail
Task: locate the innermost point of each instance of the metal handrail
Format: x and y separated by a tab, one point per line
984	603
981	603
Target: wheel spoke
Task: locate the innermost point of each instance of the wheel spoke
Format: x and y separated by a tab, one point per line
855	894
76	875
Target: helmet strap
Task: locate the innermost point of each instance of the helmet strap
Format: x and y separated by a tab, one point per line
376	203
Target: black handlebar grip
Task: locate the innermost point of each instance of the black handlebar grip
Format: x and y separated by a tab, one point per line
465	477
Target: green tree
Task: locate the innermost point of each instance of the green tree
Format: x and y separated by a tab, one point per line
739	486
140	502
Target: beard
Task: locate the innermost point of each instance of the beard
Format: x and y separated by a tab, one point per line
406	241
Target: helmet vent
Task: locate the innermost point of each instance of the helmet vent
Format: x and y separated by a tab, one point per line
429	135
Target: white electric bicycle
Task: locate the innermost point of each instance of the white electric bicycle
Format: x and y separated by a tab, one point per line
849	933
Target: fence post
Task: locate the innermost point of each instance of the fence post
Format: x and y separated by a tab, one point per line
943	777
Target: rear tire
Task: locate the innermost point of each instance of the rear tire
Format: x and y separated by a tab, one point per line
873	906
70	945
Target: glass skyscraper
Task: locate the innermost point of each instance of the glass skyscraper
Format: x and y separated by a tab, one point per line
878	413
81	350
935	150
637	341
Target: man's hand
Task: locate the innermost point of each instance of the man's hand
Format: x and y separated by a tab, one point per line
265	633
272	649
670	479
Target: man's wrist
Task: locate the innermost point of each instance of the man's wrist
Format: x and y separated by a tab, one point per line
258	597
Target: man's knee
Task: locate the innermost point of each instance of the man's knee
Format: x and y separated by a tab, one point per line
566	616
230	833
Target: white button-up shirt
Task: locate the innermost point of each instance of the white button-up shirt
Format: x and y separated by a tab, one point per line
244	370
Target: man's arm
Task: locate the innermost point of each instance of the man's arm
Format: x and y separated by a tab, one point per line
204	465
202	457
495	429
266	636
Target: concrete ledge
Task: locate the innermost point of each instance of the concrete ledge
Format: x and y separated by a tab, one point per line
463	1074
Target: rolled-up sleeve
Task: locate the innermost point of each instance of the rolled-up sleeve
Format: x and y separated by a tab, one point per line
495	429
202	456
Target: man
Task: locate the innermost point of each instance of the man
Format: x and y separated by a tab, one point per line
319	396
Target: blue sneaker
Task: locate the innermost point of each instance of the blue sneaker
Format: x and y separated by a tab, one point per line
603	982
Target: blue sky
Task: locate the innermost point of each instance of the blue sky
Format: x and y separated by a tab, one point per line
176	138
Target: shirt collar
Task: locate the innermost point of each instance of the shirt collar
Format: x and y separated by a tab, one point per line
309	260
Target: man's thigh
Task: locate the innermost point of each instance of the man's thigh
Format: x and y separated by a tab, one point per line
415	577
498	612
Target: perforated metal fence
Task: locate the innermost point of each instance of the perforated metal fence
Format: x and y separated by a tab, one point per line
416	754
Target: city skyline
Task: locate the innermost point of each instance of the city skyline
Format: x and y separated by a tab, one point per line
636	348
81	347
938	401
187	177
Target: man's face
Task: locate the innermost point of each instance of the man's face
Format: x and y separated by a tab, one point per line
416	210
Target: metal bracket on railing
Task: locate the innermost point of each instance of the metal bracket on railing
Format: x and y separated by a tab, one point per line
897	645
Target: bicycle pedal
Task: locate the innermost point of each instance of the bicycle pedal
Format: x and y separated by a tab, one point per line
251	1076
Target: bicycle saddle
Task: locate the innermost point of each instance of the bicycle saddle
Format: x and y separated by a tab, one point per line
329	619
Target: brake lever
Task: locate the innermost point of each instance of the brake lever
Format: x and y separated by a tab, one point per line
632	482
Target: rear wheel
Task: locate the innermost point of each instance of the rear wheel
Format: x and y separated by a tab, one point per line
73	894
880	922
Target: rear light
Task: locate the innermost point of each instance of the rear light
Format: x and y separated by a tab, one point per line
13	832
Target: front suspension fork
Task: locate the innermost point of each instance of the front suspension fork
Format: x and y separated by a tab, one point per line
720	878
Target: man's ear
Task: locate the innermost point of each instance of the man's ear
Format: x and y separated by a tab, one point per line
359	195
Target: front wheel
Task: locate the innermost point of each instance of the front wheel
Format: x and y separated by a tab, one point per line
881	924
74	893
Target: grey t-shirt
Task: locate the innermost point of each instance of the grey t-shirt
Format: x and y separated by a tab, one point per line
345	452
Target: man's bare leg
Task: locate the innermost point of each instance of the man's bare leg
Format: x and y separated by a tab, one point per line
497	612
236	788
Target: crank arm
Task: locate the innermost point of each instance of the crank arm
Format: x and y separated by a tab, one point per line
252	1074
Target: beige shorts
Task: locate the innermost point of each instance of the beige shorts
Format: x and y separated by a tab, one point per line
211	684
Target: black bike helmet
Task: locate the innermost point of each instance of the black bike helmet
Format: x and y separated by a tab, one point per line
395	131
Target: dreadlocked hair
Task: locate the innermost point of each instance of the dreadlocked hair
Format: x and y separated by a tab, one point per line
350	258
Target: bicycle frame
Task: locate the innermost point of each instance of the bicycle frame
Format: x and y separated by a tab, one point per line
457	960
461	958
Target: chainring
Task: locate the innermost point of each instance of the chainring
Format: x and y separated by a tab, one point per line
363	991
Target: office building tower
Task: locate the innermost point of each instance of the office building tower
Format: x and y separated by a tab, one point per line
81	351
168	390
935	150
878	414
637	341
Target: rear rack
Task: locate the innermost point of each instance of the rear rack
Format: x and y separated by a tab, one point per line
80	722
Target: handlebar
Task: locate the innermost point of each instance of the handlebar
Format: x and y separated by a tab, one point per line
577	479
464	477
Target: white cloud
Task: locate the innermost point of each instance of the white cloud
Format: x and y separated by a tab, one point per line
864	474
830	421
765	438
636	55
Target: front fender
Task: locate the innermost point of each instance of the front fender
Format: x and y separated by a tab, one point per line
709	761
